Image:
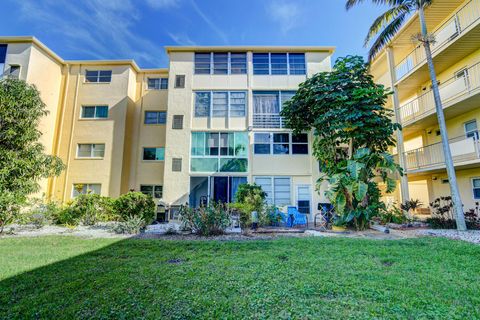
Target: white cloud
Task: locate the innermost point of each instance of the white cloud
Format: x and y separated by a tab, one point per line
286	14
182	39
210	23
100	29
161	4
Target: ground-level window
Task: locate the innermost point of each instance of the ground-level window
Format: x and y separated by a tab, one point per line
85	188
303	199
476	188
156	191
154	154
278	189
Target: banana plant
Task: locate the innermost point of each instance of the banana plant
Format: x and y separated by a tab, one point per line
354	190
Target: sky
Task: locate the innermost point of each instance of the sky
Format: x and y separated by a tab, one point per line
139	29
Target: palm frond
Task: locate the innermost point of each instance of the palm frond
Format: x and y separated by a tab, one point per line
382	21
386	35
351	3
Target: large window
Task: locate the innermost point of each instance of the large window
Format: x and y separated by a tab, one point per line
220	104
90	150
280	143
154	154
155	117
279	63
94	112
98	75
86	188
155	191
220	63
157	83
278	189
219	152
267	106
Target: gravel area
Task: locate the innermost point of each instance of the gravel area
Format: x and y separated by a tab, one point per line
472	236
103	230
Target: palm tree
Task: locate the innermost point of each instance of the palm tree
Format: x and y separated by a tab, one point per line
385	27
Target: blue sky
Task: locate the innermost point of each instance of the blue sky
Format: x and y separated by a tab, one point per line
138	29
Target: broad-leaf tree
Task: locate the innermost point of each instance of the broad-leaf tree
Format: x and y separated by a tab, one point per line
384	28
353	132
23	161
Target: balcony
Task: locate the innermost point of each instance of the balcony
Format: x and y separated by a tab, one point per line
463	85
464	151
454	28
267	121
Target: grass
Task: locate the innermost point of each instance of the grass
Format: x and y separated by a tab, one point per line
67	277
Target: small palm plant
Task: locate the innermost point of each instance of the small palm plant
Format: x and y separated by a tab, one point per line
385	27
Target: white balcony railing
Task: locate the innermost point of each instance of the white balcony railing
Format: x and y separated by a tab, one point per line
463	83
446	33
462	148
267	121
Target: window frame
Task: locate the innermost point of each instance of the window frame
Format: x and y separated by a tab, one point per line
177	84
92	151
289	63
162	83
211	109
98	76
85	184
242	66
154	160
154	191
474	132
272	144
157	123
473	187
95	117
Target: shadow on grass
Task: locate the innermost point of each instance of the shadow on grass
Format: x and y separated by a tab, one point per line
297	278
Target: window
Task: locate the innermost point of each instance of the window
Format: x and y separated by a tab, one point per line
219	152
3	56
267	106
471	130
98	76
14	71
279	63
303	199
220	63
90	150
280	143
155	117
154	154
94	112
476	188
180	81
220	104
277	189
177	164
177	122
202	63
86	188
155	191
157	83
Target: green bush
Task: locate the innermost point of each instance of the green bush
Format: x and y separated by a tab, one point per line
88	209
135	204
393	214
249	197
131	225
206	221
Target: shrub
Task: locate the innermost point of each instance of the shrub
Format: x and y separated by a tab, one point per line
131	225
249	197
392	214
135	204
89	209
209	220
442	214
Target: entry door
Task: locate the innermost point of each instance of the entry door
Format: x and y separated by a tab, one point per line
220	189
304	197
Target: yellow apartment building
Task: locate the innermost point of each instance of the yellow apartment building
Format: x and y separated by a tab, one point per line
402	66
187	134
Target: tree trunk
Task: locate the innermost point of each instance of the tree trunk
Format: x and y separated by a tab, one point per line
457	202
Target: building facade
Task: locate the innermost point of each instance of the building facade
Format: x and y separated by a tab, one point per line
402	66
187	134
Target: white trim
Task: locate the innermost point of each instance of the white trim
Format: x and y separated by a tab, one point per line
95	112
92	150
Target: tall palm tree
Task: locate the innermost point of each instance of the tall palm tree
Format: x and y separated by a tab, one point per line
385	27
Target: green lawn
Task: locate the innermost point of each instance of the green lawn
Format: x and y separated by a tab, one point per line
314	278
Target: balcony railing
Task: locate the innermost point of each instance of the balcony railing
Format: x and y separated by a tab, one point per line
431	156
267	121
465	82
446	33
